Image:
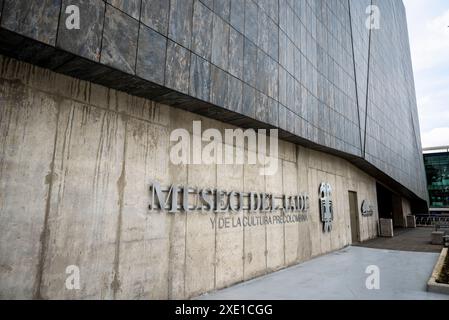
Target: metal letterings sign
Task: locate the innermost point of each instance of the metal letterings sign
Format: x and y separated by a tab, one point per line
187	199
326	209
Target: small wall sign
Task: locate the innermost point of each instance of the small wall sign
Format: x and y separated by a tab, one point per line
367	209
326	209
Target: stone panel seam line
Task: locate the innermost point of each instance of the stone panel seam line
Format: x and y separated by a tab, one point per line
355	74
367	86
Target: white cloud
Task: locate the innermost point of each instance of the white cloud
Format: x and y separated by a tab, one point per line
428	23
433	102
430	42
438	137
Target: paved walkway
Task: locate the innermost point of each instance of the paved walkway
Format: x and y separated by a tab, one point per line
417	240
341	275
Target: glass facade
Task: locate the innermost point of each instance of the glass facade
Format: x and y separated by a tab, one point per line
437	170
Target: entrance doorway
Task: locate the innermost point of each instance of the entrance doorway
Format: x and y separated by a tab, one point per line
384	202
354	215
390	206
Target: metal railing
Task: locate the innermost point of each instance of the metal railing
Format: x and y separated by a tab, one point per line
432	220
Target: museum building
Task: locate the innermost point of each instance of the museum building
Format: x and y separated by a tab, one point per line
91	92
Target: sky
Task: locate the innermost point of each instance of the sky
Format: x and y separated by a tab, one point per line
428	24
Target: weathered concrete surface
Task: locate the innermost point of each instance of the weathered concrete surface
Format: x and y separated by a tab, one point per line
341	276
28	128
76	163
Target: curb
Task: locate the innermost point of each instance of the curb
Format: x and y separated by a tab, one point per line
432	284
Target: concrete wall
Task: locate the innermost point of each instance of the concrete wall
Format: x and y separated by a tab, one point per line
401	209
76	162
406	207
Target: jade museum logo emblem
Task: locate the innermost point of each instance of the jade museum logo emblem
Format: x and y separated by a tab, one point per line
367	209
326	209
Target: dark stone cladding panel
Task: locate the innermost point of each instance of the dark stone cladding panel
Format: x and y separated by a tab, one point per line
235	92
282	86
86	41
249	101
120	37
236	41
177	67
223	9
249	62
273	112
220	43
263	40
251	23
219	87
36	19
290	121
130	7
261	107
282	117
262	74
203	19
301	66
208	3
238	15
151	55
199	86
180	25
155	14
